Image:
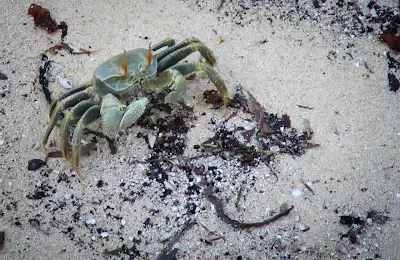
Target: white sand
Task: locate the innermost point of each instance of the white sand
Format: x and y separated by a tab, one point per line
355	119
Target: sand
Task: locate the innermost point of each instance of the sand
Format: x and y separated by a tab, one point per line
286	63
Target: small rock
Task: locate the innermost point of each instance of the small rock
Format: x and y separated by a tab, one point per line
67	196
3	76
35	164
93	238
1	141
123	222
104	234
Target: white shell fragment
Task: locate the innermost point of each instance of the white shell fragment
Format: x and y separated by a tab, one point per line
64	82
296	192
90	221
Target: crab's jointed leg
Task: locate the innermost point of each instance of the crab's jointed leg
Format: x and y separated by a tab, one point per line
76	112
168	42
212	74
178	52
91	115
60	105
170	57
79	88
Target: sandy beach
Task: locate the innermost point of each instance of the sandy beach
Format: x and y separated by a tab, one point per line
301	62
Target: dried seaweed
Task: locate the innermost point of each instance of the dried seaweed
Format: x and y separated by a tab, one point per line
219	208
394	66
68	47
43	71
42	18
258	111
175	238
392	40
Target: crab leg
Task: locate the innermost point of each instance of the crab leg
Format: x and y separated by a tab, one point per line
168	42
178	55
61	105
69	93
161	55
91	115
216	79
77	111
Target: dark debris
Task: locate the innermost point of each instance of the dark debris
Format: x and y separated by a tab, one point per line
43	80
35	164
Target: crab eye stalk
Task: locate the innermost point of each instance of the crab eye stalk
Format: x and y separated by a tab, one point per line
149	56
124	65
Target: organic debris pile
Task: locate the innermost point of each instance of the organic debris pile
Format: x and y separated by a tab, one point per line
361	232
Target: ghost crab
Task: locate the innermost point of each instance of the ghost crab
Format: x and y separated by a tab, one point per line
121	78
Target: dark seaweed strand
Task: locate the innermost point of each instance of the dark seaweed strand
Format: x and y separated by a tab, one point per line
219	208
167	250
43	70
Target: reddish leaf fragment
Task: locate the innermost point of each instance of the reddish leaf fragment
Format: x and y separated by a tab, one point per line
42	18
392	40
262	117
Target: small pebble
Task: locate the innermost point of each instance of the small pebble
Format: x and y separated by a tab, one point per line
93	238
369	221
151	140
296	192
67	196
1	141
268	212
104	234
90	221
123	222
398	195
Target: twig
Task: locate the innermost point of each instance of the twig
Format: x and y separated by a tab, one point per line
239	196
219	208
306	107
